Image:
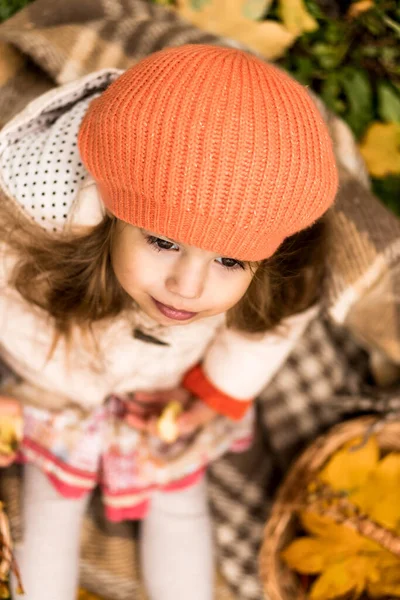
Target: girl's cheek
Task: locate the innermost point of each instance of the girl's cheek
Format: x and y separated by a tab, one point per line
139	269
229	295
241	290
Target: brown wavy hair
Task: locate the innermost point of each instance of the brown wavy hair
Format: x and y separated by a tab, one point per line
70	275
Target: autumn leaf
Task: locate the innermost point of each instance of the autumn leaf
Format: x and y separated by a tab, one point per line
380	149
229	18
357	8
340	579
326	528
11	428
347	561
314	555
333	544
255	9
296	18
388	583
349	468
308	555
379	498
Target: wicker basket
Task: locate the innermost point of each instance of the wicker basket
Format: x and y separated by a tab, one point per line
278	581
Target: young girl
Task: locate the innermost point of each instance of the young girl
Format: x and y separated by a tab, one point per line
161	240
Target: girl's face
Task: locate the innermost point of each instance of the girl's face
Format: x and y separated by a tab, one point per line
173	283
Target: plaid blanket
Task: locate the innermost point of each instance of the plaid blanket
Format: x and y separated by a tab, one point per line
52	42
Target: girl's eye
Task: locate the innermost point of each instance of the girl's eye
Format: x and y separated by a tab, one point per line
231	263
160	244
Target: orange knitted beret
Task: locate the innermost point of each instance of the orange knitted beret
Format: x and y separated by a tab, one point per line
211	147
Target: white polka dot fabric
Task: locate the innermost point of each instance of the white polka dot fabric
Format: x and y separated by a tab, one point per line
43	169
40	164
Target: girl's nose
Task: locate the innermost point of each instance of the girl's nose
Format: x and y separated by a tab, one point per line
187	279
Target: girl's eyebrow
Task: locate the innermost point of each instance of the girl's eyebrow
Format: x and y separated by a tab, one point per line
146	232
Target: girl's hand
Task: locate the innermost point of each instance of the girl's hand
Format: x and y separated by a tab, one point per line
10	429
144	411
197	415
146	407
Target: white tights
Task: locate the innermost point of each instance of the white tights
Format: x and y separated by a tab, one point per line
176	543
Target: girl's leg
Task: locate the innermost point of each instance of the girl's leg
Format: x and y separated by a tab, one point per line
177	546
48	559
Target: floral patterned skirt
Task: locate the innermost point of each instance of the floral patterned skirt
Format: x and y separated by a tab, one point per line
79	452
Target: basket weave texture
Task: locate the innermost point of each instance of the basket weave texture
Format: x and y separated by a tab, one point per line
279	582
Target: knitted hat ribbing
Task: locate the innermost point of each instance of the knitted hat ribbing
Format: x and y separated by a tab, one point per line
210	147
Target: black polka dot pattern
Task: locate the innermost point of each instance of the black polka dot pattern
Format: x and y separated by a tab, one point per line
35	164
39	160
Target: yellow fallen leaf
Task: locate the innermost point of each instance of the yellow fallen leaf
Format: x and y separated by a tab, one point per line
314	555
349	469
335	535
380	149
347	561
333	543
388	583
319	525
357	8
379	497
295	17
341	579
255	9
10	434
385	560
349	564
326	528
307	555
228	18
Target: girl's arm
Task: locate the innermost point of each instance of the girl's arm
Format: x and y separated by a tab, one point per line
238	365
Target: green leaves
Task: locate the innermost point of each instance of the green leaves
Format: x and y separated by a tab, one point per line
9	7
388	102
388	190
349	93
353	62
357	89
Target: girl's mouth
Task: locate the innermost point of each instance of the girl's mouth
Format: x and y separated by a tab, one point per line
173	313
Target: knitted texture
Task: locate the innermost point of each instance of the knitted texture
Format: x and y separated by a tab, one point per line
211	147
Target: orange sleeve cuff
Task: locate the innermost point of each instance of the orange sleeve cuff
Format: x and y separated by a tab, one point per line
197	383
